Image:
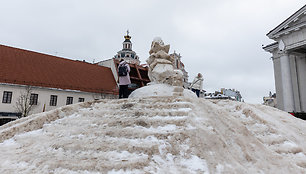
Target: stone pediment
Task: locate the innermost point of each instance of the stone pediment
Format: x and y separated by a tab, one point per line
301	19
293	23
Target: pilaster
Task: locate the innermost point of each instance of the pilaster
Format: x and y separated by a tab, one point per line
287	88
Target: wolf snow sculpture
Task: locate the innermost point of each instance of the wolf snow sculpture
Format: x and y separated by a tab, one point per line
161	65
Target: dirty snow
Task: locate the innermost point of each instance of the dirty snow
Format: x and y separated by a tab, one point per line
155	134
159	90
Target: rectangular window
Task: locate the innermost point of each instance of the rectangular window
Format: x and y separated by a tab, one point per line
7	97
53	100
33	99
69	100
81	99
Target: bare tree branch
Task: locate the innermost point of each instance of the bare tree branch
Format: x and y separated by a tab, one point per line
23	103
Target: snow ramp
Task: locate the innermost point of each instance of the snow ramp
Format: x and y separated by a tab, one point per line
155	135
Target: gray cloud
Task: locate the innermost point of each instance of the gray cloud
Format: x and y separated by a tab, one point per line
220	39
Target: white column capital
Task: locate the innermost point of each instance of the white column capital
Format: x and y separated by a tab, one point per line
283	53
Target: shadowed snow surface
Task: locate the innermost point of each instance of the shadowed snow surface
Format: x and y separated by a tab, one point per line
155	135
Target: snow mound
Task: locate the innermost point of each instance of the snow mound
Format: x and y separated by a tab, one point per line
157	134
159	90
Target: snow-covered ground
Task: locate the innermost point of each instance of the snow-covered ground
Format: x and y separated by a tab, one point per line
155	134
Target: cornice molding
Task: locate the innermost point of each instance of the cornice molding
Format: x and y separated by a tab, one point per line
288	30
285	25
270	48
296	45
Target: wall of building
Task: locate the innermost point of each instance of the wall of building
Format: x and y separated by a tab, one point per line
295	83
297	63
231	93
278	83
44	97
269	101
291	40
289	60
301	70
110	64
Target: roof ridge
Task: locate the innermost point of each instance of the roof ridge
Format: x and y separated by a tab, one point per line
46	54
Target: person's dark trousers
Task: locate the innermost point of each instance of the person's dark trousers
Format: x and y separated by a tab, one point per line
196	91
123	91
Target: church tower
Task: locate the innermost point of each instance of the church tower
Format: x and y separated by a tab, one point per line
127	53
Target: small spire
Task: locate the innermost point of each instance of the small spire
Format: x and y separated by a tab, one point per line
127	32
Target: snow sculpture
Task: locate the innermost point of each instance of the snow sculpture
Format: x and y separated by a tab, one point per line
161	65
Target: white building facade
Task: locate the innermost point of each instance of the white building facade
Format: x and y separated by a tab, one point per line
47	98
289	61
270	100
234	94
54	82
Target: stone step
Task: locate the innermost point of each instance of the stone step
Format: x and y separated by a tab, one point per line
148	145
135	140
150	100
149	106
117	130
146	123
92	161
143	113
126	133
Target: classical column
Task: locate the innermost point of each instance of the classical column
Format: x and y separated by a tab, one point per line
287	90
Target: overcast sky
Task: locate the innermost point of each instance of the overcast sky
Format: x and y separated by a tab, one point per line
221	39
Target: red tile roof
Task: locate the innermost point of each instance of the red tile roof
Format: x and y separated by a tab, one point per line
18	66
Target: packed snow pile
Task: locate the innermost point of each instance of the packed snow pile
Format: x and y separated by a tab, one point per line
155	134
161	90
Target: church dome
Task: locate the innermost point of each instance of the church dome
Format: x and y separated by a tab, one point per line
127	53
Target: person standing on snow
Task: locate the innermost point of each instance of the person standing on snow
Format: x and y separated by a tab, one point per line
197	84
123	78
